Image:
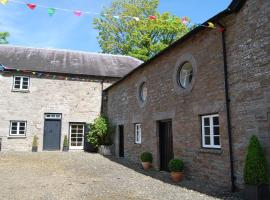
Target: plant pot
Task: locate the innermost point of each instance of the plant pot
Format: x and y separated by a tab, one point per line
65	149
146	165
105	150
34	149
255	192
176	176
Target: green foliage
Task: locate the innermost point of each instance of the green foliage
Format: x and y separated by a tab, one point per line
256	167
3	37
65	144
141	39
35	141
176	165
99	132
146	157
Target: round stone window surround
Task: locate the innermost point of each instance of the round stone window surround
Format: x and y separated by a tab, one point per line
178	65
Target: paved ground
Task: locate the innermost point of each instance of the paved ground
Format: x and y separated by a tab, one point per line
57	175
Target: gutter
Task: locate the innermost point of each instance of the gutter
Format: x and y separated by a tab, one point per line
228	108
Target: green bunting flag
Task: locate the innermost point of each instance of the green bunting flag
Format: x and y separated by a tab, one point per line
51	11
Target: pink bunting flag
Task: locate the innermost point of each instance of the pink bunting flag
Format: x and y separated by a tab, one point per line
152	17
31	6
77	13
185	20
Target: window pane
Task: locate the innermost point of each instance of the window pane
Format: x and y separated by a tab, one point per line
207	131
206	122
207	140
216	140
25	87
216	120
185	75
17	86
79	143
21	132
216	130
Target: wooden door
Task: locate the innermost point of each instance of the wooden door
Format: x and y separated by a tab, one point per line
165	144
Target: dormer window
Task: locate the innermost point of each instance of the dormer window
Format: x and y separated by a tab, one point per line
21	83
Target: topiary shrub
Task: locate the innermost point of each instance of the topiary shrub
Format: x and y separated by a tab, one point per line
99	132
35	141
146	157
256	168
176	165
65	143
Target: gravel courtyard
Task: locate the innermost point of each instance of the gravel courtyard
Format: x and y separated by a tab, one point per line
57	175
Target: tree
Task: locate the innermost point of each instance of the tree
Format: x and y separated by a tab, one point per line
135	28
3	37
256	166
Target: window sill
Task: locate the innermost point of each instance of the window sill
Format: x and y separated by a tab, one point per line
16	137
211	151
22	91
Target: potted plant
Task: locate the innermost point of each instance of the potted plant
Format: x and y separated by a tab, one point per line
65	144
176	167
147	160
256	176
35	144
99	135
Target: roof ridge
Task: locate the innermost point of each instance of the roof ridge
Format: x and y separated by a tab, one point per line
70	50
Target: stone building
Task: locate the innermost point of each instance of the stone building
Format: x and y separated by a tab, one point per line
201	98
53	93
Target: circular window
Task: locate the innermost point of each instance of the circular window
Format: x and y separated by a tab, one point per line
143	92
185	75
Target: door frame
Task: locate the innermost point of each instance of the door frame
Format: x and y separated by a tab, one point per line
69	135
158	139
121	154
60	135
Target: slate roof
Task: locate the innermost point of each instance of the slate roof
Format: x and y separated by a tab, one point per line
66	61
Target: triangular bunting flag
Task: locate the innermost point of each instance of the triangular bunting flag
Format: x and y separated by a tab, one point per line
210	25
31	6
152	17
51	11
185	20
136	18
77	13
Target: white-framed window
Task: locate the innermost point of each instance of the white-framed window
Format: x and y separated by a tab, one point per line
21	83
17	128
210	131
138	134
76	136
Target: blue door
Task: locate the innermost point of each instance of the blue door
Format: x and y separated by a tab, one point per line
52	135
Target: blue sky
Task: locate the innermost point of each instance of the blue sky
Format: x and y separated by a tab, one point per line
35	28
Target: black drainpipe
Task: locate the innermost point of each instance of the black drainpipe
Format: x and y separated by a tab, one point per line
228	110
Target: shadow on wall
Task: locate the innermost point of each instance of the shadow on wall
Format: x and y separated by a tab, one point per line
186	183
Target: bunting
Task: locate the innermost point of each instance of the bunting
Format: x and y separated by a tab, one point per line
51	12
4	69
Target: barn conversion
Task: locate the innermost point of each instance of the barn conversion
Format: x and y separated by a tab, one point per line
201	98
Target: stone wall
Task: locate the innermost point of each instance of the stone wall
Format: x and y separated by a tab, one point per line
247	40
248	46
166	101
78	101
